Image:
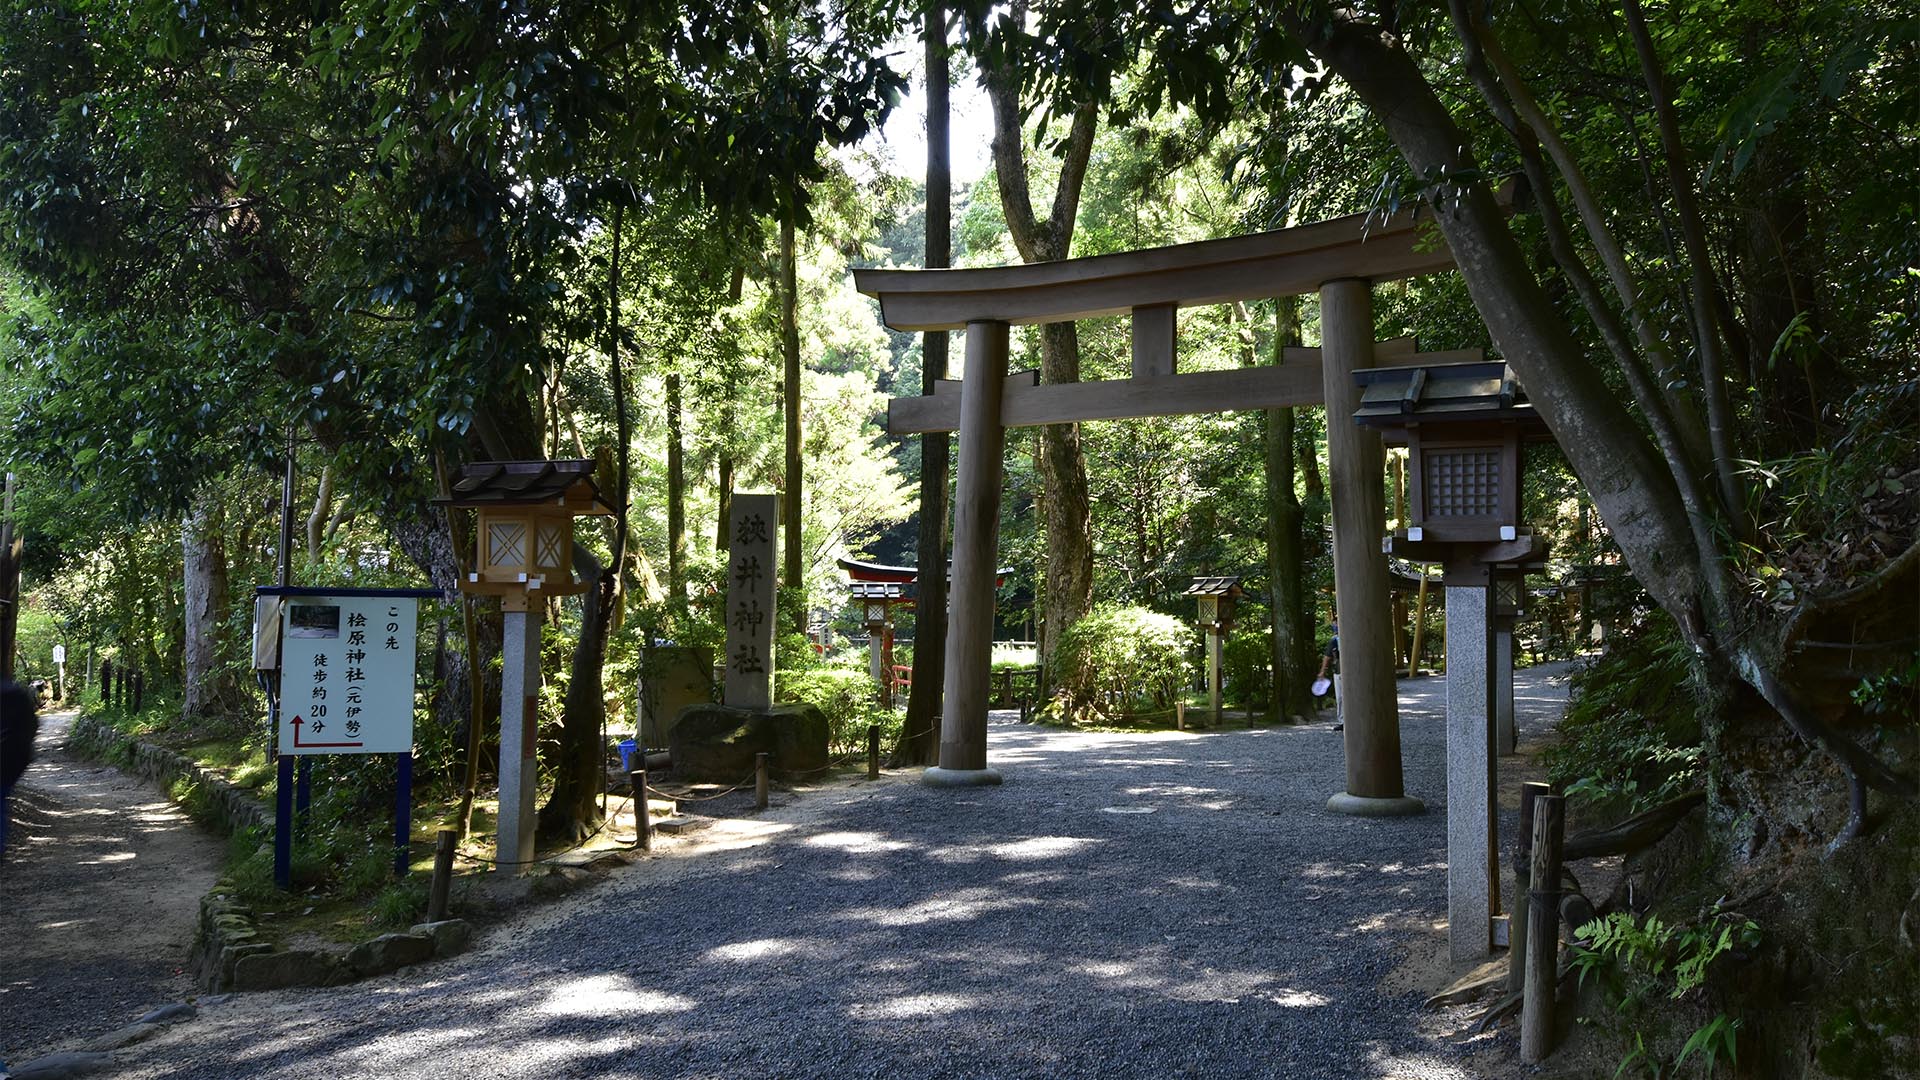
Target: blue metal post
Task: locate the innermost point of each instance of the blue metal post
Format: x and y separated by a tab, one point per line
283	824
403	815
303	792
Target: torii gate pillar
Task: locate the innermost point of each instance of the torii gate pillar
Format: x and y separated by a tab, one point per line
976	530
1356	459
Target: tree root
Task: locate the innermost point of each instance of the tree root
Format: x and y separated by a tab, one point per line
1498	1011
1856	815
1863	769
1642	830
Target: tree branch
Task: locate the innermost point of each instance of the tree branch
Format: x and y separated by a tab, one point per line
1694	234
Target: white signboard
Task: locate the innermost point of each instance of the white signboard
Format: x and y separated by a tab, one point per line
751	576
59	654
346	674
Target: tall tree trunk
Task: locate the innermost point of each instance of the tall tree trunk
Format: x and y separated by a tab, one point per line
1306	453
1629	481
723	497
579	770
570	814
322	511
676	493
1068	507
1666	526
920	735
1286	544
426	539
209	689
1066	511
793	563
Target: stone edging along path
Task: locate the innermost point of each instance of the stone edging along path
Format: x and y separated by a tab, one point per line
229	952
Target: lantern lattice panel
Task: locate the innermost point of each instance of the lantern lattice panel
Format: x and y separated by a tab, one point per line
506	543
548	550
1463	483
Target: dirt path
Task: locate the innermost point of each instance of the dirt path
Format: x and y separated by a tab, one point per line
98	899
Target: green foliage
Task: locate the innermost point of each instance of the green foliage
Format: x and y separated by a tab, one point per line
1642	962
400	904
1865	1040
849	700
1119	661
1891	695
1247	658
1630	738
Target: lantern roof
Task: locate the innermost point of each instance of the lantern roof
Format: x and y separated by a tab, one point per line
1398	397
566	482
877	590
1214	586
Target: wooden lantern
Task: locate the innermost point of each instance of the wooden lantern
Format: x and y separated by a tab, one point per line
1464	426
877	600
1219	599
526	509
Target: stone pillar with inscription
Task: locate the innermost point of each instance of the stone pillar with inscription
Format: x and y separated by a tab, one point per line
751	598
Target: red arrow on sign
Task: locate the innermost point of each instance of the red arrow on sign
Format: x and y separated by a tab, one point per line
297	721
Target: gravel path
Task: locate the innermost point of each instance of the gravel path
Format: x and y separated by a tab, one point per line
1168	904
98	899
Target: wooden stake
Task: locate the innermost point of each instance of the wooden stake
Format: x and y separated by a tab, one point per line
873	751
642	813
1517	924
444	842
759	781
1543	931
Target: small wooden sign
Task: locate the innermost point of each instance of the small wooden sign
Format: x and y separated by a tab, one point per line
752	575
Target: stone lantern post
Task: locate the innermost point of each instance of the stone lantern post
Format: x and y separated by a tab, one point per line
1464	426
524	553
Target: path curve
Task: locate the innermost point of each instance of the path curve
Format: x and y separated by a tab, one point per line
1156	904
99	897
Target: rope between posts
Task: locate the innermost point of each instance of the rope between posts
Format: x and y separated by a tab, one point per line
583	842
699	798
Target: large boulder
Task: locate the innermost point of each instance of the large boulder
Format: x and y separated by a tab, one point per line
718	743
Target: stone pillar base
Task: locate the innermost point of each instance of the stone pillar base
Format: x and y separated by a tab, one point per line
935	776
1365	806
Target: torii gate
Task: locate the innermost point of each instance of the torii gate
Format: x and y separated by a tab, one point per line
1340	259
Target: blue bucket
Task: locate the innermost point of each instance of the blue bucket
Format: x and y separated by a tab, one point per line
627	749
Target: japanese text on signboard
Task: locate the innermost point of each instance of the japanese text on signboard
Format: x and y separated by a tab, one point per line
346	675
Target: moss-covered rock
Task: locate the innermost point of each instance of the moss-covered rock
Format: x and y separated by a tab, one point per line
718	743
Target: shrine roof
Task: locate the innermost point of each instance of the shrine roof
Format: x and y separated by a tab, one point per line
906	575
566	481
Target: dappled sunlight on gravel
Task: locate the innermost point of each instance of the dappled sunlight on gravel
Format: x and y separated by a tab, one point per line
1238	930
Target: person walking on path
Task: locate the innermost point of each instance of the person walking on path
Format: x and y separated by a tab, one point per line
1329	677
19	723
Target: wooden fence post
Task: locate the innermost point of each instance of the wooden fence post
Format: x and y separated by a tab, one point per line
444	842
873	751
1543	930
1517	921
642	813
759	781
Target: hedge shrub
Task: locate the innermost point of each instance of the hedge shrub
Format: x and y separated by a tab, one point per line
1118	662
